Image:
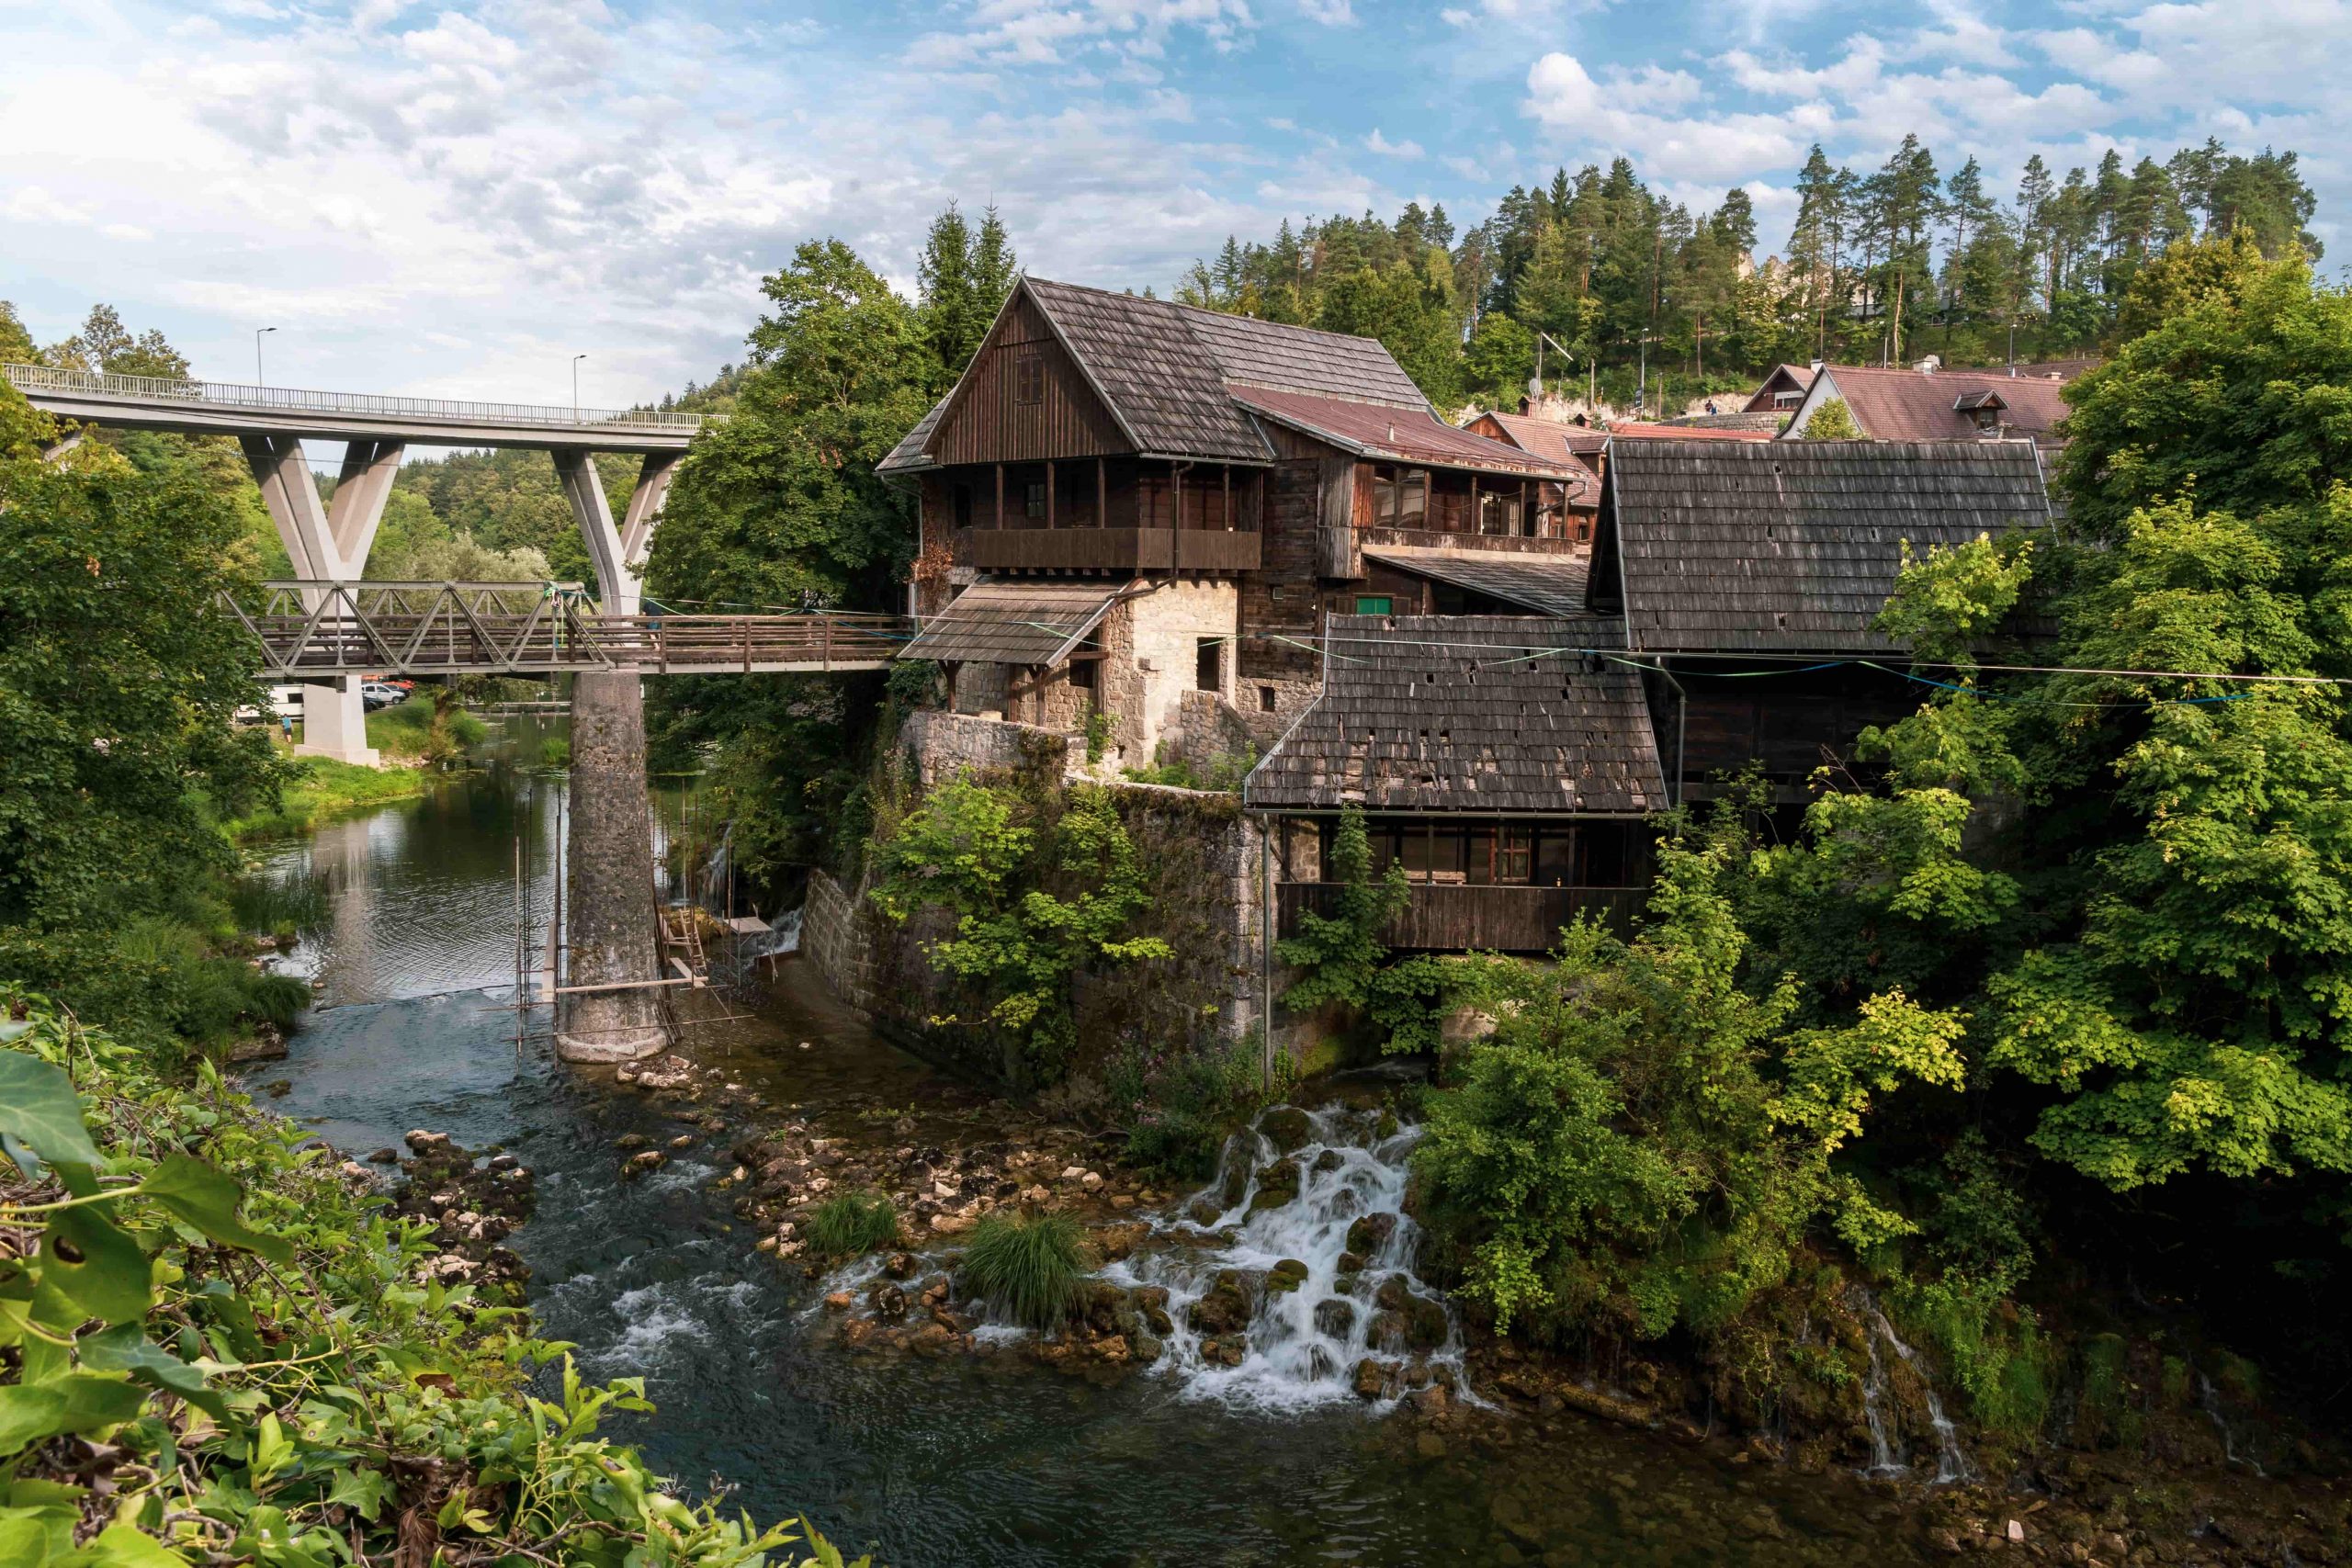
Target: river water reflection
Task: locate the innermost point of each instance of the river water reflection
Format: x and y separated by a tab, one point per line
928	1464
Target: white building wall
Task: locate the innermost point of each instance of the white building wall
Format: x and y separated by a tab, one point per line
1166	629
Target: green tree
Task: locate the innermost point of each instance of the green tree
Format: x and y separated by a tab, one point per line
1831	420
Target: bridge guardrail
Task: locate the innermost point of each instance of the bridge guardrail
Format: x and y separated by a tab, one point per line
33	380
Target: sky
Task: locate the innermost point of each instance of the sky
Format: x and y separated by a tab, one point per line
454	199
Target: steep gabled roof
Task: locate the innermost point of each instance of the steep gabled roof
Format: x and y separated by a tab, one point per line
1784	377
1405	436
1446	712
1171	374
1159	382
1790	547
1301	359
1892	403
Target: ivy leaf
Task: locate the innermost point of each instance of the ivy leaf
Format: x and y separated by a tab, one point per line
37	1106
364	1491
92	1401
122	1546
208	1199
96	1265
26	1416
126	1349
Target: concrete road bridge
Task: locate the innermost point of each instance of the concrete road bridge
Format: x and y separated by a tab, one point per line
328	541
329	625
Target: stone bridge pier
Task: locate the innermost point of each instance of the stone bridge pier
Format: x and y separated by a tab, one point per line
611	915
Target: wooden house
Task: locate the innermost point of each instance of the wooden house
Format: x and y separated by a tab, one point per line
1749	575
1191	493
1726	620
1784	389
1508	764
1570	505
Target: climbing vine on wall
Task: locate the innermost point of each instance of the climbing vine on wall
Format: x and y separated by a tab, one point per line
1034	896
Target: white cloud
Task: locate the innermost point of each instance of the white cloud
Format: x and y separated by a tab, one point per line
35	204
1381	144
1563	95
1331	13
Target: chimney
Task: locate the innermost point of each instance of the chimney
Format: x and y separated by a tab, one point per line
1526	405
1817	367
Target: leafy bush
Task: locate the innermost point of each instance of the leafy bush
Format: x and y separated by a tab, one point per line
850	1224
429	726
1029	1265
555	752
1180	1105
280	1374
1344	957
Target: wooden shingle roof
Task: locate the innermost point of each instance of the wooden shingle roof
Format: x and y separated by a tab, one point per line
1011	623
1160	381
1550	585
1302	359
1403	436
1790	546
1448	714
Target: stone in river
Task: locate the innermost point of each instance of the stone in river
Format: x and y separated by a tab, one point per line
1287	1127
1334	1317
1286	1276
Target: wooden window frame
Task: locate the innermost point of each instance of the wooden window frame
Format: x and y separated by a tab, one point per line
1028	377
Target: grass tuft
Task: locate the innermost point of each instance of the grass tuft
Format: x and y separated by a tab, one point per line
852	1223
1029	1266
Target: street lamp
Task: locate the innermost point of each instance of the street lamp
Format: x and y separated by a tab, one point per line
575	384
257	334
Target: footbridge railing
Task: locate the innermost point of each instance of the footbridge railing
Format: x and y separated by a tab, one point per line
320	629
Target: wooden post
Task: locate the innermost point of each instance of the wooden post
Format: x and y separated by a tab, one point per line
999	495
1476	521
1101	493
1225	472
1050	465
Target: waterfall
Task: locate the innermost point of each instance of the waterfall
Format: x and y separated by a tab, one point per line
1886	1459
2210	1398
1290	1276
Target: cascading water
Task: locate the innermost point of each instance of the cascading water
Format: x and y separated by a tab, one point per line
1290	1278
1886	1458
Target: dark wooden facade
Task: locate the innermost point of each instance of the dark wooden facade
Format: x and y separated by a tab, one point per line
1024	399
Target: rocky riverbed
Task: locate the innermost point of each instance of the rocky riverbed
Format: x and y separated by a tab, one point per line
1288	1278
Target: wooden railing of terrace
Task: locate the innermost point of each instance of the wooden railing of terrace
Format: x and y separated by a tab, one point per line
1108	549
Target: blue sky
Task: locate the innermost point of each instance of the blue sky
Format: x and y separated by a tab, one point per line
454	199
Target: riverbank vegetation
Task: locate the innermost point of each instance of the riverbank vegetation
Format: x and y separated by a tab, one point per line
226	1351
2042	1009
315	787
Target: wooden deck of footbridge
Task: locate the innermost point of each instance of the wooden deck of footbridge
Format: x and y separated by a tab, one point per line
320	629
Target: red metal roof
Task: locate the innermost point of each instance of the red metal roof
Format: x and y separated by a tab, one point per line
1556	441
1687	432
1896	404
1377	430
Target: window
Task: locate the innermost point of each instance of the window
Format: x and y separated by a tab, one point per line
1374	605
1266	699
1208	661
1081	673
1400	497
1787	400
963	506
1989	421
1514	854
1034	504
1029	376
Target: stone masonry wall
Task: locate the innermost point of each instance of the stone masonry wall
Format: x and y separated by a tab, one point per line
1201	860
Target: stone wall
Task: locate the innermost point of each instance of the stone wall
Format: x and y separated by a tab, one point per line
1210	728
942	745
1154	642
1202	862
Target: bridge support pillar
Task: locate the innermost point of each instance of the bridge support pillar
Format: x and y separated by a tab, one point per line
327	542
334	722
610	910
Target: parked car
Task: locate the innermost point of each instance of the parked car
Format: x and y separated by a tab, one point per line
374	694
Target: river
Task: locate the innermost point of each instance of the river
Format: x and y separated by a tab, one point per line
982	1461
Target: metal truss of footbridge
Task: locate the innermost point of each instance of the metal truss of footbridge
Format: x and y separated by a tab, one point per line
313	631
328	541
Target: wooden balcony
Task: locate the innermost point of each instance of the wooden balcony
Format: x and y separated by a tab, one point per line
1207	550
1463	918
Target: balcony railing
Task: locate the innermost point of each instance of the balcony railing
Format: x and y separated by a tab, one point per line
1108	549
1443	539
1461	918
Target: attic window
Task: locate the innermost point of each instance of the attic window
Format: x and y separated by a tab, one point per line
1029	376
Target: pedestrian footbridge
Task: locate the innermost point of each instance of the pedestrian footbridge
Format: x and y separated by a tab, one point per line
317	630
